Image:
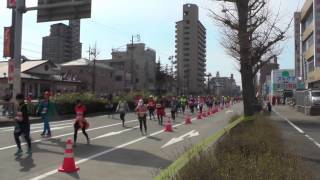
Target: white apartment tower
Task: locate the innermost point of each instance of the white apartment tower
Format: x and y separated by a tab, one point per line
191	51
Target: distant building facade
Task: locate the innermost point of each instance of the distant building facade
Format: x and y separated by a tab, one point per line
307	44
134	68
191	51
82	70
224	86
63	44
38	76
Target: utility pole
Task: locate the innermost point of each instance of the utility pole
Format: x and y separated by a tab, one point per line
208	76
19	10
93	52
133	78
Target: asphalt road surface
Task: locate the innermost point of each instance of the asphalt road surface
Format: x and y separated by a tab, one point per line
115	152
302	134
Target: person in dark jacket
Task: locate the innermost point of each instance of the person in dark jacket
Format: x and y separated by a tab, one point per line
22	124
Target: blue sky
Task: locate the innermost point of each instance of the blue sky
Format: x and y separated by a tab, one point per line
114	21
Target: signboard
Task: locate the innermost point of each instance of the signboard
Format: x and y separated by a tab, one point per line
316	11
11	3
283	79
10	71
7	42
56	10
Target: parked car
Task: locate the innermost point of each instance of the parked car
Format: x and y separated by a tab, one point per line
308	101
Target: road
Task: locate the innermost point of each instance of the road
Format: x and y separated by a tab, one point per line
114	153
302	134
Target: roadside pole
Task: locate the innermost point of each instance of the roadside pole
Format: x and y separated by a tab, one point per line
19	10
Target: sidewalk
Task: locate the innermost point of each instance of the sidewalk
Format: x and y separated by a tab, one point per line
301	133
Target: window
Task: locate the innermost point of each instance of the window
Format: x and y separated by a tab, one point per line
311	66
46	67
188	21
118	78
307	44
307	22
185	13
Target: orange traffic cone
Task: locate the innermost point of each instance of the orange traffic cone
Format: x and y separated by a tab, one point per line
204	114
68	165
199	116
187	119
168	126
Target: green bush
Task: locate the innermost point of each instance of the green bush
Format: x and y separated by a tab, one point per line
65	103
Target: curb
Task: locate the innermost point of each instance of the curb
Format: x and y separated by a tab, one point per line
185	157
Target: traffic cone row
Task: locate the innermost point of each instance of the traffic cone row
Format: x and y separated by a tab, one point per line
204	114
168	126
199	116
187	119
68	165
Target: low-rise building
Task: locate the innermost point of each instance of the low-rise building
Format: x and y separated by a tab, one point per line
134	68
101	82
37	76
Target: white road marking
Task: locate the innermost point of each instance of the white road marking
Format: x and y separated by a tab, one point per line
62	135
190	134
298	129
105	152
55	128
229	111
40	127
114	133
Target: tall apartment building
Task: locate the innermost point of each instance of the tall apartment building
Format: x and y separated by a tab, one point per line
134	68
63	43
191	51
307	43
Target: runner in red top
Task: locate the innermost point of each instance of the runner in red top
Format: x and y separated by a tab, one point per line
160	111
151	107
80	121
141	110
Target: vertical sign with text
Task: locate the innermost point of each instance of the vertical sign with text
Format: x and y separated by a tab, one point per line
317	32
7	46
10	71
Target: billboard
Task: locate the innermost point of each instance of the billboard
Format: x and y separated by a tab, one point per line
11	3
283	79
56	10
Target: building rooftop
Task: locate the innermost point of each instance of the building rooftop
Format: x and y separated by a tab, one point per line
25	66
85	62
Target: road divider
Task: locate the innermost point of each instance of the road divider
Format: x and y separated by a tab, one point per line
185	157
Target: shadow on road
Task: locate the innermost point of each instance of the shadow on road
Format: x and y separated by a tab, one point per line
26	163
122	156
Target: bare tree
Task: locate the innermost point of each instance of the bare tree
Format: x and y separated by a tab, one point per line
251	35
